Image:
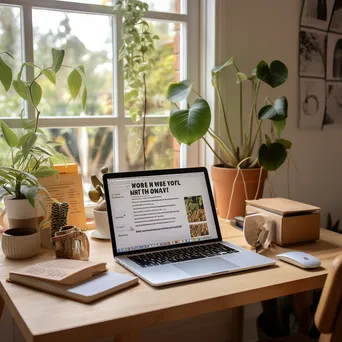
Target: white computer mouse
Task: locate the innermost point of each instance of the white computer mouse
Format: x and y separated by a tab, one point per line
300	259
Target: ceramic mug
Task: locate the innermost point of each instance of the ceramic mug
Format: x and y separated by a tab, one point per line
20	243
102	224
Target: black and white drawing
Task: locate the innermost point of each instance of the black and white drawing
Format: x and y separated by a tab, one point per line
317	13
312	52
312	102
333	112
336	19
334	57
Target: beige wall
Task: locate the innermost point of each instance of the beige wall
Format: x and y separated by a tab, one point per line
252	30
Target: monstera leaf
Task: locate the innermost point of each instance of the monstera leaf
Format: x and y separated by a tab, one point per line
274	75
190	125
276	112
179	91
272	156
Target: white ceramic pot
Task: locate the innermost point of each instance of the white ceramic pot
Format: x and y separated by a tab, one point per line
20	243
21	214
102	224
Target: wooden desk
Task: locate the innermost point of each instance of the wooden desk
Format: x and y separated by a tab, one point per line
42	317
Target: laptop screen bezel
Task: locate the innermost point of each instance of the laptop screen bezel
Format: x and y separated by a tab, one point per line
108	176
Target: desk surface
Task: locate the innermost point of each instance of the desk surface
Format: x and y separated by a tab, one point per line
42	317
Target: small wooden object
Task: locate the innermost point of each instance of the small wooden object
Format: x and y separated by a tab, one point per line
292	221
71	243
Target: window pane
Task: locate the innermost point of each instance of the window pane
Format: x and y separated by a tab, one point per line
74	32
10	102
174	6
166	69
91	148
159	148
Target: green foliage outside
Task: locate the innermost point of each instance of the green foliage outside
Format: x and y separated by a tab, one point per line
92	148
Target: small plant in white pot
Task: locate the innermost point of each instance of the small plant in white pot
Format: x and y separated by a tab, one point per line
243	166
32	155
97	195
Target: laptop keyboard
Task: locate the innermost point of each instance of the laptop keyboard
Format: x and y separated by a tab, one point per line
181	254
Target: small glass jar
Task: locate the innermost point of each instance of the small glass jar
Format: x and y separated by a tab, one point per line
71	243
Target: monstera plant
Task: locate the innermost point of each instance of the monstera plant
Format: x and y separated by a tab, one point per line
244	165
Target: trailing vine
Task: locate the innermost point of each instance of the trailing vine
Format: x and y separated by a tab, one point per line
136	53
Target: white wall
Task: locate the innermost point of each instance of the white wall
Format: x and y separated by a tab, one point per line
252	30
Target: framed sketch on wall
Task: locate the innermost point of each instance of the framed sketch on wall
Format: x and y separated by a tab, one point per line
336	19
312	102
333	112
317	13
334	57
320	64
312	51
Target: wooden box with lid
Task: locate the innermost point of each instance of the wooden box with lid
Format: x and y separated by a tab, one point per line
292	221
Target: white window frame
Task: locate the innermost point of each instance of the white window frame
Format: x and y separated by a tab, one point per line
189	69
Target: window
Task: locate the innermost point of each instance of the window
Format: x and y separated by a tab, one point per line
103	134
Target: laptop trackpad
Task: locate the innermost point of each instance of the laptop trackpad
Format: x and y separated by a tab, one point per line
206	266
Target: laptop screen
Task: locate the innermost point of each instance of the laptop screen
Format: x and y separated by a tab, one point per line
160	210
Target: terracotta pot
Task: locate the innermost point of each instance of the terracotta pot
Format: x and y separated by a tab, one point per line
223	179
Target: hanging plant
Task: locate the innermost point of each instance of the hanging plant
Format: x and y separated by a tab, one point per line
136	53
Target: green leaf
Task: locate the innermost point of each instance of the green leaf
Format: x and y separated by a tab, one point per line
81	67
5	74
57	59
46	172
24	138
277	112
156	37
29	144
21	88
117	6
10	137
30	192
240	77
84	97
8	54
179	91
216	70
189	125
274	75
268	140
286	143
50	75
273	156
36	93
279	126
75	83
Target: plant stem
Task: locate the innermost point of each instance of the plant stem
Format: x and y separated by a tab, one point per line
225	120
229	154
144	120
196	92
256	135
212	150
241	117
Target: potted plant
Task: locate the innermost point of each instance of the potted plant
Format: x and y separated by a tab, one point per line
243	167
32	155
97	195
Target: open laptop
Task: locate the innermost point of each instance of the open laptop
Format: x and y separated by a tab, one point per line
164	227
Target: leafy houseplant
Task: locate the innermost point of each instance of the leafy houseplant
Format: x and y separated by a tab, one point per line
193	123
32	155
136	53
100	211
